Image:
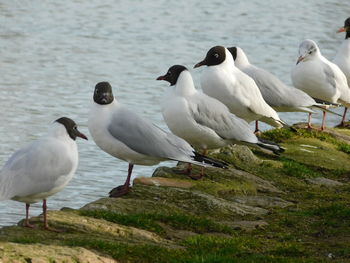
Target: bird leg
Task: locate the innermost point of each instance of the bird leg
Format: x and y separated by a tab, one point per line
309	122
122	189
46	225
26	221
342	123
323	121
257	131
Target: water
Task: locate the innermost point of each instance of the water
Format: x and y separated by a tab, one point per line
52	53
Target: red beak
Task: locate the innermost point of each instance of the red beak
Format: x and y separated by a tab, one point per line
161	78
342	29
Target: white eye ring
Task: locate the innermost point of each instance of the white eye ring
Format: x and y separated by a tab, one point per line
216	55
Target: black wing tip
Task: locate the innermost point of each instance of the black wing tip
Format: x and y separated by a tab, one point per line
210	161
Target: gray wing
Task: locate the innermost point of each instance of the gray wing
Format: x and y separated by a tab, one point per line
33	169
275	92
211	113
144	137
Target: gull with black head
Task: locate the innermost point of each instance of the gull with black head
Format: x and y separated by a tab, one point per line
127	136
201	120
42	168
225	82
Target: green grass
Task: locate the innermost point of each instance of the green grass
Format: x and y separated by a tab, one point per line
150	222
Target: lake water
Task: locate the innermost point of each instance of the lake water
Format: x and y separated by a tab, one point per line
52	53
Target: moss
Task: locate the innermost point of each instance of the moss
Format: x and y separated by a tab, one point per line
151	221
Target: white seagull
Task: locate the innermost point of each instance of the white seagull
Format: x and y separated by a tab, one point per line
127	136
279	96
42	168
319	77
225	82
342	58
203	121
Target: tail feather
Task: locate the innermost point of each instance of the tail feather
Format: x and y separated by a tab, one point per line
326	103
209	161
272	146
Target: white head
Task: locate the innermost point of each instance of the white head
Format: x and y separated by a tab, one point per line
308	50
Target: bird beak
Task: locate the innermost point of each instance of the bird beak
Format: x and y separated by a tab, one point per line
202	63
161	78
79	134
342	29
300	59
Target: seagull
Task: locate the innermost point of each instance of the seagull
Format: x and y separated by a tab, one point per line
280	97
342	58
42	168
225	82
319	77
127	136
203	121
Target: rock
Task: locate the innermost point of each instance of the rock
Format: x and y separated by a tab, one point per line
161	181
38	253
262	201
248	225
240	153
324	181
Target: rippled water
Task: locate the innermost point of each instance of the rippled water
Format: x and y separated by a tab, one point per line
52	53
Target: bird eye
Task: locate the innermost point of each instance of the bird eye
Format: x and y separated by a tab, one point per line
310	52
96	91
75	127
216	55
169	73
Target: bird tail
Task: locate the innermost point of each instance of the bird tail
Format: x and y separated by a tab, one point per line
207	161
271	146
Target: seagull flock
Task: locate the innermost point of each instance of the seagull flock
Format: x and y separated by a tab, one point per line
235	93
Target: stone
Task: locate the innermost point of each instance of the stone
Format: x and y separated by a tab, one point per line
248	225
262	201
324	181
161	181
39	253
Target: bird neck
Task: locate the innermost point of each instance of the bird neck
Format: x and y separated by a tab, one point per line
184	85
347	34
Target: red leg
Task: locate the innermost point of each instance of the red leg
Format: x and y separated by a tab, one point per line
342	123
46	224
309	122
122	189
323	121
26	221
256	127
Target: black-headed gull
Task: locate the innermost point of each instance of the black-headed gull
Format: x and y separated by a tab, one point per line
42	168
225	82
279	96
319	77
342	58
201	120
127	136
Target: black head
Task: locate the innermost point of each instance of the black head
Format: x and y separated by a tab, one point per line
173	74
215	56
71	128
347	23
233	51
103	93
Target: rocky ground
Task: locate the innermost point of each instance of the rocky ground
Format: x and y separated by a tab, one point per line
294	207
